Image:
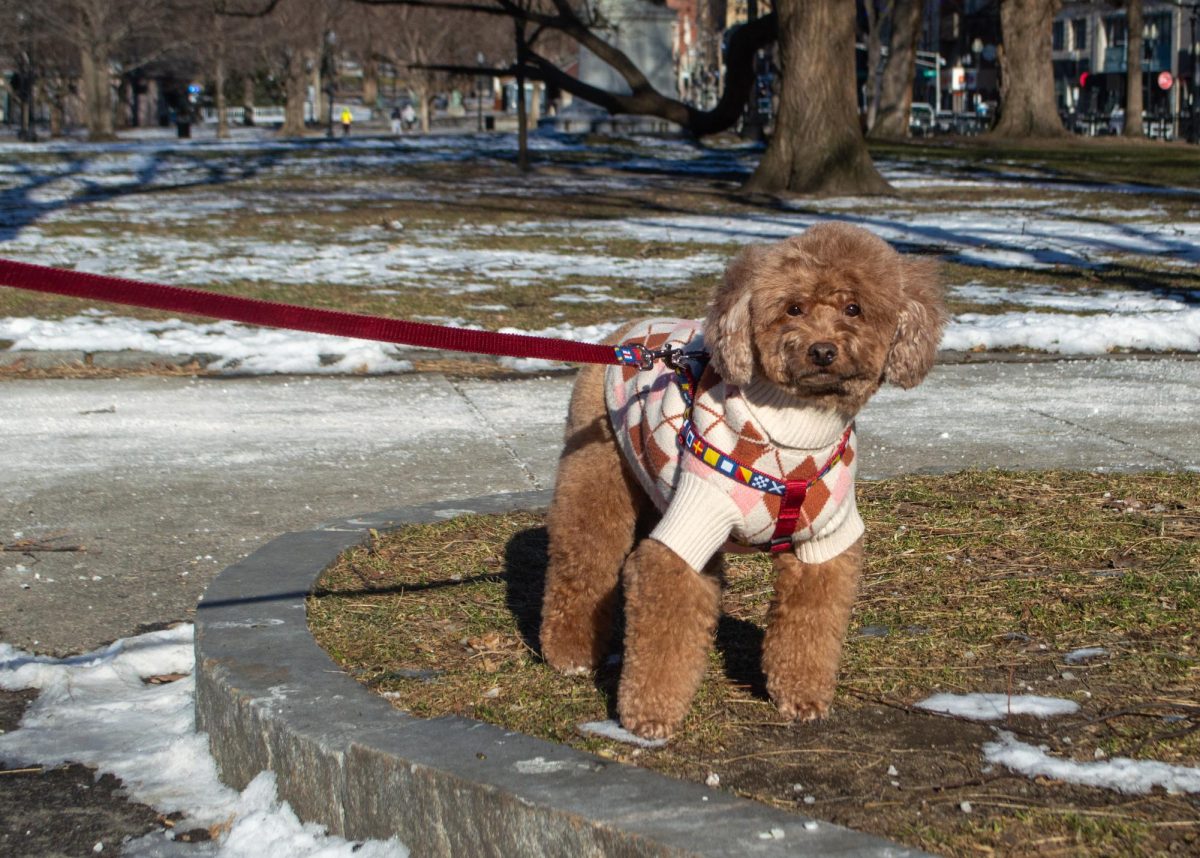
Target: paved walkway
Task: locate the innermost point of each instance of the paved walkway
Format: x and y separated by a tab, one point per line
166	481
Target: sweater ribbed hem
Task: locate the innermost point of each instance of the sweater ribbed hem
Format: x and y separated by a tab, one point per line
789	421
822	549
698	521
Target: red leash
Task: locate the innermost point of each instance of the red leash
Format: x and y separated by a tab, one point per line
253	311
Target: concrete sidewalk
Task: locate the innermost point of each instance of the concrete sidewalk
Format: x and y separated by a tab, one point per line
166	481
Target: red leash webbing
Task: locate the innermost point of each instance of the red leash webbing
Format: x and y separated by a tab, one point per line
253	311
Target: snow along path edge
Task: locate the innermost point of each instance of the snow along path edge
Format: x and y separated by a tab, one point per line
270	699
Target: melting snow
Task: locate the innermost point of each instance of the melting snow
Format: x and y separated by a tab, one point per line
993	707
1120	773
95	709
612	730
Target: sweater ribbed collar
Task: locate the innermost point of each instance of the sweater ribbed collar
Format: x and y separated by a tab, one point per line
790	421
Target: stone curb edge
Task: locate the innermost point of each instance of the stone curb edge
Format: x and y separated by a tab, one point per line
269	698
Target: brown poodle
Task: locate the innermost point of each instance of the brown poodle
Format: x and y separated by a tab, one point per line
749	439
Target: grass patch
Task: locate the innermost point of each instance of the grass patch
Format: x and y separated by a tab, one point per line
981	581
1076	159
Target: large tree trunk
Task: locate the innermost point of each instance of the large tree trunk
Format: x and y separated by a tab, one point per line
896	85
370	86
248	100
423	105
295	92
97	92
1027	106
126	116
1133	70
818	146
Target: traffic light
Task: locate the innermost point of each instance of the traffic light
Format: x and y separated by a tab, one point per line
1083	80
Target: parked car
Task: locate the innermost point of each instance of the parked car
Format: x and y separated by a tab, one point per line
921	119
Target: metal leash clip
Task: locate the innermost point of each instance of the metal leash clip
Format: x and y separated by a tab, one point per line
673	357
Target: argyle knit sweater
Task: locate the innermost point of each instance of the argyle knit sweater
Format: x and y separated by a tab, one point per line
759	426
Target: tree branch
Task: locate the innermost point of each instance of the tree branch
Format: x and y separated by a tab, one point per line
643	99
647	101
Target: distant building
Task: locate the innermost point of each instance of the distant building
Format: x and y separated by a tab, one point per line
1090	43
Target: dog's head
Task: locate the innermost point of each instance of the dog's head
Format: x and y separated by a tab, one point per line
828	316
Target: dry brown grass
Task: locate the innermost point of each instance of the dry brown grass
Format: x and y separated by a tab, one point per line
975	582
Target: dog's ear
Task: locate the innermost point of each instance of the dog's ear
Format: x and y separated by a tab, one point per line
727	333
919	328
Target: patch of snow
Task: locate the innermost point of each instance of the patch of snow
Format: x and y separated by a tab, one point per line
1122	774
1087	653
1060	333
993	707
95	709
612	730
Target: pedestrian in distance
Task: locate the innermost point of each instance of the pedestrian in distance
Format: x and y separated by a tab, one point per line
347	119
409	116
397	121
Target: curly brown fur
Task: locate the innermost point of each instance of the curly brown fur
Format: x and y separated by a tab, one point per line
805	626
827	316
777	302
671	614
591	527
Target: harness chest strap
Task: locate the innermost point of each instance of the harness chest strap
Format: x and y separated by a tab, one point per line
792	492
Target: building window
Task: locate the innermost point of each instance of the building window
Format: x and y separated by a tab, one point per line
1079	40
1059	36
1115	38
1115	31
1157	47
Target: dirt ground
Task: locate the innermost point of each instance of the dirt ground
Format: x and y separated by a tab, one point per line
62	811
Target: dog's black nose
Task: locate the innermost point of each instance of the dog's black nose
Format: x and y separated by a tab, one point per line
822	354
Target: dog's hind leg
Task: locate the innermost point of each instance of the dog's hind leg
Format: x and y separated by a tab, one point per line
806	625
671	614
591	523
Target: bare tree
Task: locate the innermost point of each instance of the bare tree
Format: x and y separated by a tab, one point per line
583	26
28	45
895	89
818	146
419	37
103	32
1133	69
1027	107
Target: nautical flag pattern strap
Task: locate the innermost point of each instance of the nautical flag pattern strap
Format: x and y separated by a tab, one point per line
695	443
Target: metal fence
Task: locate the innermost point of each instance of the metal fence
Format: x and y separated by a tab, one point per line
1156	126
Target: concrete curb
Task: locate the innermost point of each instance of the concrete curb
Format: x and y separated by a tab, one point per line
270	698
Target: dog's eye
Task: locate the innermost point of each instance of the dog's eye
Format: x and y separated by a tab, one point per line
795	310
853	310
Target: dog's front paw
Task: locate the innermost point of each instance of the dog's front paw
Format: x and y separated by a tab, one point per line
570	669
803	710
568	650
648	728
568	661
656	718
